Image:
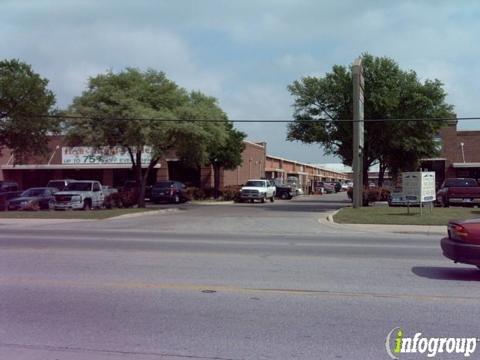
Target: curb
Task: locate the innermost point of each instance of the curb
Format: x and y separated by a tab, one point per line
331	215
391	229
209	203
143	213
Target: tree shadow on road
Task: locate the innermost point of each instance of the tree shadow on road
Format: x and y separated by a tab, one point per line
447	273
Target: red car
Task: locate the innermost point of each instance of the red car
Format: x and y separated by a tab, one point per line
463	242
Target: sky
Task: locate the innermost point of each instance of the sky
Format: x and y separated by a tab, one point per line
245	53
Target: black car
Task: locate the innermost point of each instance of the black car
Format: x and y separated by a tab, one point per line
168	191
33	199
284	192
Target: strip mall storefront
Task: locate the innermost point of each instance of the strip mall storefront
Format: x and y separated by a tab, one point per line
112	167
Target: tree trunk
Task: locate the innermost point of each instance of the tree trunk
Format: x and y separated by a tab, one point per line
140	178
381	174
216	180
366	165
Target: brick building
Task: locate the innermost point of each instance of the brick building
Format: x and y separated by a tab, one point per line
459	154
307	174
112	167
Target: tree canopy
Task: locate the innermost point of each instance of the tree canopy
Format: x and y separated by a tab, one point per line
321	103
25	103
136	109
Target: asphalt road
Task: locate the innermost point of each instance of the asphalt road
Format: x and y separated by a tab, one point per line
242	281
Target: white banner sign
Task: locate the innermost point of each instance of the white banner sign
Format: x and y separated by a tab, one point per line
85	155
419	186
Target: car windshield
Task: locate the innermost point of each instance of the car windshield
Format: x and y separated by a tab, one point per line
57	184
461	183
163	185
33	192
79	186
256	183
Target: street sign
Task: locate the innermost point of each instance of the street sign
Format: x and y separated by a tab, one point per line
419	187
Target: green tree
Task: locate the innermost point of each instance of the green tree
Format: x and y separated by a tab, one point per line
135	110
25	104
224	146
226	154
390	93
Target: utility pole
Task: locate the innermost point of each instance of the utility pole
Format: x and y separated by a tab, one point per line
358	138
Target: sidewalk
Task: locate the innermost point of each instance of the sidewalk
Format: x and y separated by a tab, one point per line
19	223
327	220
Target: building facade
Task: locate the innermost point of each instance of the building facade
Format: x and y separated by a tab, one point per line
459	154
112	167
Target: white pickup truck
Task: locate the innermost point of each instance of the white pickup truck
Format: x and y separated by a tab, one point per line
260	189
80	195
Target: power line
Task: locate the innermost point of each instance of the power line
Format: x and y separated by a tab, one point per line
79	117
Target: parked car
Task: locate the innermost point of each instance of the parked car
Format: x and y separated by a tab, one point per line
398	198
258	189
284	192
337	186
59	184
108	190
8	186
459	191
463	242
79	195
8	191
169	191
34	199
329	188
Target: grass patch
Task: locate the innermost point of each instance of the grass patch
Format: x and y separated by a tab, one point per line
399	215
70	214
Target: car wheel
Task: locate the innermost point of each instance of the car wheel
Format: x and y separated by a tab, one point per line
176	199
86	205
272	199
252	201
263	198
284	196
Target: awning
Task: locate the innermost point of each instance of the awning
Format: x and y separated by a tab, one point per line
466	165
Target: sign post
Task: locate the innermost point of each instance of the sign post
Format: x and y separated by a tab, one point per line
358	132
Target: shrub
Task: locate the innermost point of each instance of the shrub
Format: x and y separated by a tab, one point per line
371	195
112	201
194	193
128	199
231	192
123	199
32	206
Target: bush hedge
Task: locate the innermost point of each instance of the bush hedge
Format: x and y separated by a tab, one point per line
227	193
371	195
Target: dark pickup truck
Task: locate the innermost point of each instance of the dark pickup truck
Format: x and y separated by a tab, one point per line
460	192
8	190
